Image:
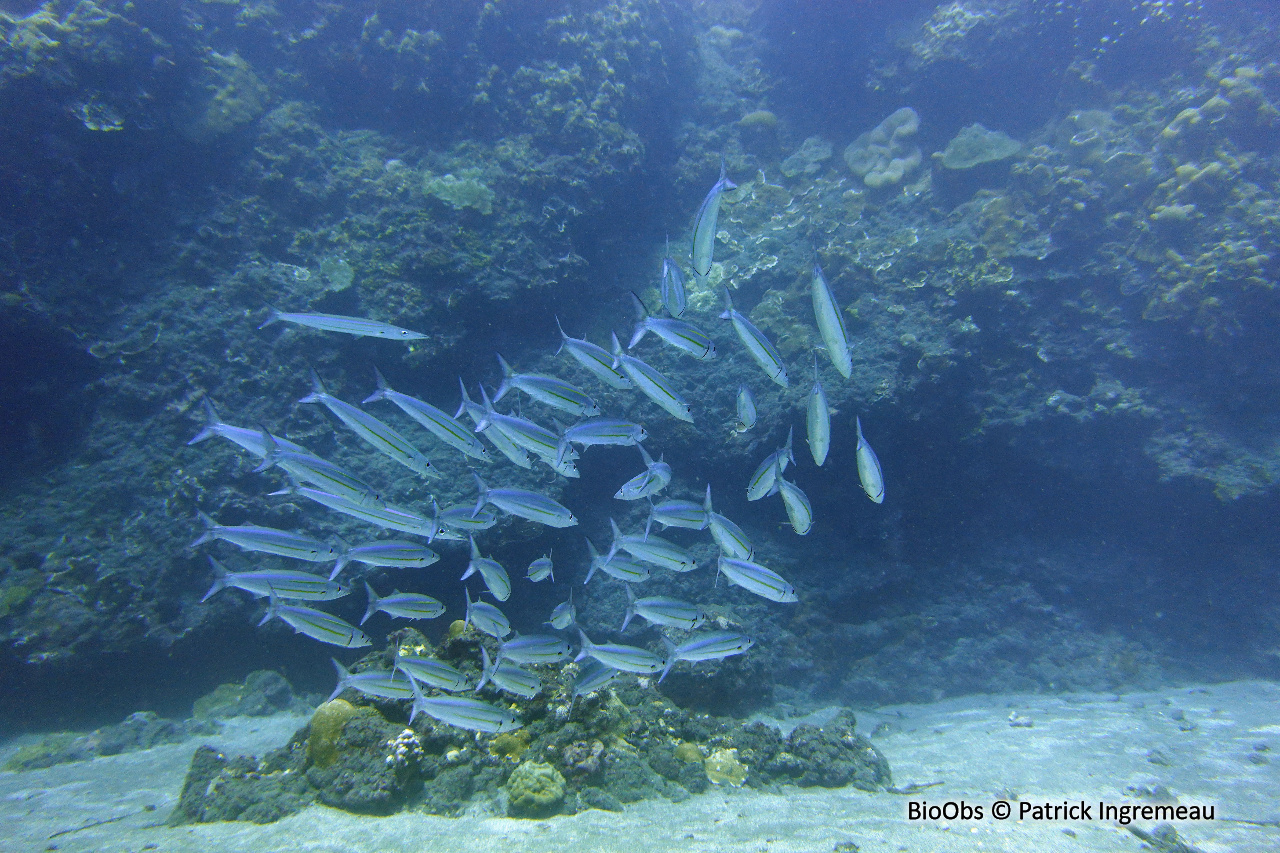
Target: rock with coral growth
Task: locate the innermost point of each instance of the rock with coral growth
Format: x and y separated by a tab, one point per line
535	789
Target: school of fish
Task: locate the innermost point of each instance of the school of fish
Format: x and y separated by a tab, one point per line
430	684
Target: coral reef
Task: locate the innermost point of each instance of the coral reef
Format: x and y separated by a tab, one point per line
887	153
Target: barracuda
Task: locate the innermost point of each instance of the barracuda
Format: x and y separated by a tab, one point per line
358	326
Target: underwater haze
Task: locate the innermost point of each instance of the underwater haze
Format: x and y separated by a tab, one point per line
531	403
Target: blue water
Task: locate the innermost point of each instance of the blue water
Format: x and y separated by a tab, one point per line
1063	337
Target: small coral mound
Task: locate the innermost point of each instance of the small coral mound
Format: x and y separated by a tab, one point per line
975	146
459	193
884	155
724	768
535	789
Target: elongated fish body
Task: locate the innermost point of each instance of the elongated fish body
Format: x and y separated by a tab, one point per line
563	615
673	293
527	505
652	480
765	353
710	645
358	326
679	334
385	516
320	473
534	649
746	405
495	577
460	518
282	583
831	324
818	420
671	612
514	453
654	550
727	535
486	618
542	442
593	676
869	473
547	390
248	439
652	384
596	360
381	437
686	514
387	553
704	225
441	425
617	566
402	605
604	431
268	540
470	714
541	569
757	579
317	625
507	676
799	510
620	657
433	672
385	684
764	480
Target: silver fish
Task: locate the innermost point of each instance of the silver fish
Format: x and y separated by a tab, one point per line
495	577
506	446
597	360
544	443
564	614
757	579
282	583
746	404
818	422
593	676
831	324
652	384
387	553
541	569
673	295
617	566
357	326
434	672
652	549
249	439
461	518
534	649
546	389
799	510
671	612
704	225
470	714
528	505
319	472
620	657
652	480
404	605
763	481
381	437
317	625
686	514
765	353
439	424
486	618
600	431
385	516
268	540
679	334
727	535
869	473
711	645
375	682
507	676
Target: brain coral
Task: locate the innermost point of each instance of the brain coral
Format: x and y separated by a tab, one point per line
884	155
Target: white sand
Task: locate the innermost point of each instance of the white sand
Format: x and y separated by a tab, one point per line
1082	746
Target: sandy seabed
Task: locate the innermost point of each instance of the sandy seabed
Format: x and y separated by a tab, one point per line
1215	745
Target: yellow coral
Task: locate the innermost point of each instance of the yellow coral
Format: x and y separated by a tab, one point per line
723	767
511	745
326	726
